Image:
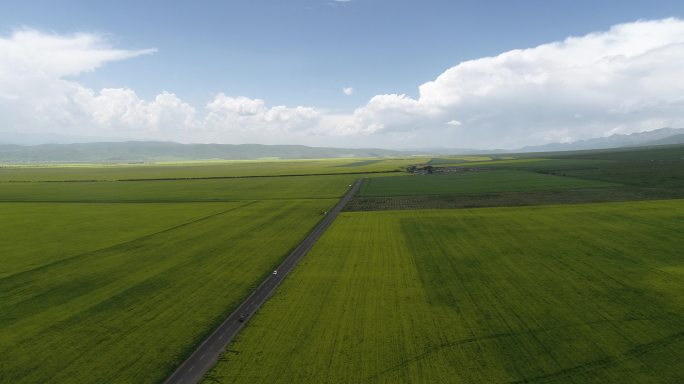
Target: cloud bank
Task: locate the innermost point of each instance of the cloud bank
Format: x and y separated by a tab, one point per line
626	79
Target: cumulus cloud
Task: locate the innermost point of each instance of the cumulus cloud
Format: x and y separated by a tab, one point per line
35	95
348	91
38	96
625	79
242	114
622	80
121	110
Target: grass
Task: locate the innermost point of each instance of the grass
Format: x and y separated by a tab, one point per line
628	174
258	188
66	230
118	281
563	294
470	183
118	306
199	169
509	199
657	167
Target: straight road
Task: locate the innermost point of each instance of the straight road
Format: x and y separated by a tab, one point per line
205	356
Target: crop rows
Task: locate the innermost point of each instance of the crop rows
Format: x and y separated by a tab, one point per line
564	294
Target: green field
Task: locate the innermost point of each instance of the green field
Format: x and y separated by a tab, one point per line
129	306
657	167
199	169
563	294
253	188
118	281
471	183
104	279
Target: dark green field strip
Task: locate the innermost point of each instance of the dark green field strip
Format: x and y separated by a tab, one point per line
159	201
471	183
658	167
555	294
508	199
208	177
132	312
294	187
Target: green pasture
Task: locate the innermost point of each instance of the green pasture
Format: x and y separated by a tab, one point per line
197	169
654	167
35	235
118	281
470	183
126	300
253	188
555	294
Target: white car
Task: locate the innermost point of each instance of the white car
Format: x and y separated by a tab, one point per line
275	272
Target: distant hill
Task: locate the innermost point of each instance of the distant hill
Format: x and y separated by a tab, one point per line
149	151
661	136
670	140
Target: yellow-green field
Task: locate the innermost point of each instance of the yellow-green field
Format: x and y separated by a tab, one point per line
115	273
200	169
117	282
556	294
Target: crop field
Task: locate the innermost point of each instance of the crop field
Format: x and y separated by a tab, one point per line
659	167
207	169
119	281
576	177
553	294
34	235
256	188
114	273
471	183
128	308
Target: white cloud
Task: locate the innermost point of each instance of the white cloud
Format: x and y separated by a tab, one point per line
121	110
246	120
348	91
31	53
36	97
242	114
625	79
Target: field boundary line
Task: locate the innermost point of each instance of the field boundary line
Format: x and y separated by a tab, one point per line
200	178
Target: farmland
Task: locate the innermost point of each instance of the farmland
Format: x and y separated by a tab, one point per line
258	188
559	178
198	169
564	294
117	281
115	273
470	183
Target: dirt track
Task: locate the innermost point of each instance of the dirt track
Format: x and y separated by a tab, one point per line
205	356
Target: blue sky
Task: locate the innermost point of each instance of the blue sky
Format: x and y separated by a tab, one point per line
304	52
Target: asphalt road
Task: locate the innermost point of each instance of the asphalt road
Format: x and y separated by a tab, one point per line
205	356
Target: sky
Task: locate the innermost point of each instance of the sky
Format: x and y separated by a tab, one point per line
356	73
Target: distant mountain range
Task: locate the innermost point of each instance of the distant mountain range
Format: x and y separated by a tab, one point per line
151	151
663	136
